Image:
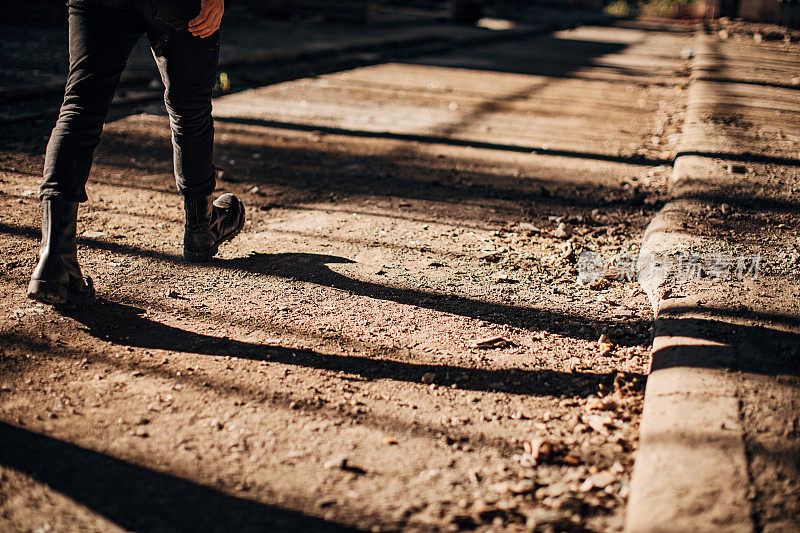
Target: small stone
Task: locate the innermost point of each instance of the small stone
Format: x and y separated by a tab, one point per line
602	479
555	490
586	486
428	377
570	460
600	423
500	488
594	404
605	349
523	486
568	253
561	232
527	226
539	450
339	462
492	342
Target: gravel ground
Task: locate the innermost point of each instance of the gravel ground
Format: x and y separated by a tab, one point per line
398	339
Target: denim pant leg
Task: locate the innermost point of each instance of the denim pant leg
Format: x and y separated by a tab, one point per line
188	68
100	41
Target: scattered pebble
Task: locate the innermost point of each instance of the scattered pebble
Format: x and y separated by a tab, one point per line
561	231
339	462
493	342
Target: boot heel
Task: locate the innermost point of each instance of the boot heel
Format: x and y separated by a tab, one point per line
198	257
58	295
48	292
209	224
57	278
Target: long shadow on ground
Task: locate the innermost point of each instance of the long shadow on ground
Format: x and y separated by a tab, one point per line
124	325
137	498
312	268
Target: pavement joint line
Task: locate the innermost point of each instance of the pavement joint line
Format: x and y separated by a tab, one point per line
692	468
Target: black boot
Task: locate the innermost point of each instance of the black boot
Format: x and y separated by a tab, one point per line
210	224
57	279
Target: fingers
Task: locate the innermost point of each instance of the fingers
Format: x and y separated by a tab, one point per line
205	10
208	20
206	27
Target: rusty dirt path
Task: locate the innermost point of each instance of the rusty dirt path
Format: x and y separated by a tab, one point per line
396	341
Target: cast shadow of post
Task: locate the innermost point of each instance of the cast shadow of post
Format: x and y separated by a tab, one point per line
137	498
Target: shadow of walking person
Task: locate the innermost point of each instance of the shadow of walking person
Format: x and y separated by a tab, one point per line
313	268
127	325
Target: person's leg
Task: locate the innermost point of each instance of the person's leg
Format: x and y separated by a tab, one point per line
100	41
188	68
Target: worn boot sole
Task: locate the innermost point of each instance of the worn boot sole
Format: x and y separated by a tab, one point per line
206	255
58	295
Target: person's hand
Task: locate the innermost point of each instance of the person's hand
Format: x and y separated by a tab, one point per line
209	18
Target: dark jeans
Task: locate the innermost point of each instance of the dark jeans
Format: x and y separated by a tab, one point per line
102	34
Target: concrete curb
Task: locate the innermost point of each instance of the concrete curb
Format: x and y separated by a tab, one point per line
691	471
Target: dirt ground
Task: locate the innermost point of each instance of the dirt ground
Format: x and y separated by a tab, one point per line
397	340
